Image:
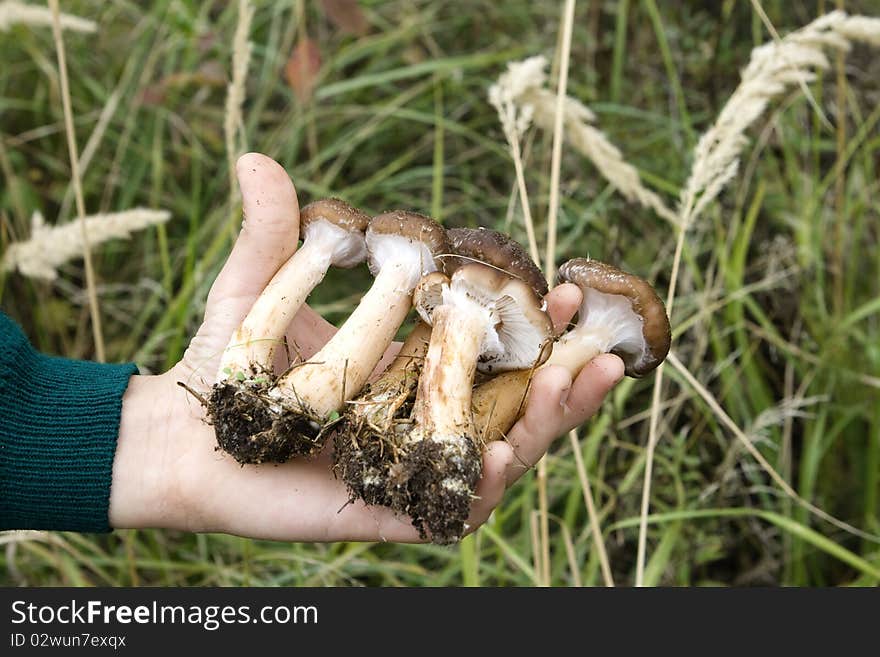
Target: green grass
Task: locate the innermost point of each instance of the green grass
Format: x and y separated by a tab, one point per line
400	119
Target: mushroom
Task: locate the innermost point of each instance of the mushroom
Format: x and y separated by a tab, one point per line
368	438
401	248
333	234
492	248
481	317
620	314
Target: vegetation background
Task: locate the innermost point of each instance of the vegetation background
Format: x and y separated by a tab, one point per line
778	310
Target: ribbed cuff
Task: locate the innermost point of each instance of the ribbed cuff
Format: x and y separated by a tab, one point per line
59	421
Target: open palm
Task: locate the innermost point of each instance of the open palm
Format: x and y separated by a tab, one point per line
167	472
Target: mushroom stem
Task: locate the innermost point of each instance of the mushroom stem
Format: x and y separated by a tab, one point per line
498	403
252	346
481	317
331	377
403	367
434	481
369	439
442	409
378	405
575	350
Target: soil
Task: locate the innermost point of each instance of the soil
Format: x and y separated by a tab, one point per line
416	486
251	432
362	462
368	441
379	467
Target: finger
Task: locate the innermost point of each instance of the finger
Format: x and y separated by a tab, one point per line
563	302
389	355
269	231
307	333
360	522
540	424
496	460
589	389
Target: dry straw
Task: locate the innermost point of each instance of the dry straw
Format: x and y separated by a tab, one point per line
523	87
233	123
19	13
773	70
76	180
566	26
515	120
49	247
557	112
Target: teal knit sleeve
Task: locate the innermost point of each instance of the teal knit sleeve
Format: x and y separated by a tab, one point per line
59	421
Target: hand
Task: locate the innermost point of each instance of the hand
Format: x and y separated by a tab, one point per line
167	472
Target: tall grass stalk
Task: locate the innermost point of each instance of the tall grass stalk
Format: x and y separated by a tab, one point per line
514	122
550	258
837	266
558	137
94	309
598	538
773	69
747	443
232	119
92	144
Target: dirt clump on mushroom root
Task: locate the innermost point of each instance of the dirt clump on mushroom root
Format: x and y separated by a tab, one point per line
368	443
249	427
431	482
434	483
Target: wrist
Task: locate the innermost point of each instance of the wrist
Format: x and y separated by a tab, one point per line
139	492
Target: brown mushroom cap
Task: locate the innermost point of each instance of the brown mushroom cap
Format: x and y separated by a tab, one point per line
413	225
337	212
340	223
517	328
496	249
607	279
